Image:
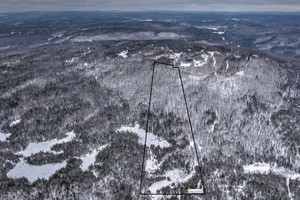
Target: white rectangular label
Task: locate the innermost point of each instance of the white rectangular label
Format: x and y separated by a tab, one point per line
195	191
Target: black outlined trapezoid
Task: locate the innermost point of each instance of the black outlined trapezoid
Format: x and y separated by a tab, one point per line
170	163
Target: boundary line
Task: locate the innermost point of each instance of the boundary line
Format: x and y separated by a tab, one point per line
191	128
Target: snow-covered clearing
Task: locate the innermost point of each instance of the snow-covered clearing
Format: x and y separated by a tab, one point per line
182	64
32	172
90	158
151	163
175	176
151	138
4	136
193	146
266	168
46	146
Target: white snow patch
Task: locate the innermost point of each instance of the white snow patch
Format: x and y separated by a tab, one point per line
123	54
235	19
212	53
151	138
248	61
176	176
257	168
15	122
46	146
193	146
87	51
227	64
4	136
160	56
215	28
159	185
90	158
151	163
198	63
266	168
219	32
286	172
241	73
182	64
205	57
145	20
168	35
215	62
72	60
32	172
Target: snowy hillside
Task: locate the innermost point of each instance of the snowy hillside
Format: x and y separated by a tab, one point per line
74	102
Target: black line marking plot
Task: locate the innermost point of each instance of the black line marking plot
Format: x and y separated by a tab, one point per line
186	191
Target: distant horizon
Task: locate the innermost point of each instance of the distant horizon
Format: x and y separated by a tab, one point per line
154	5
139	11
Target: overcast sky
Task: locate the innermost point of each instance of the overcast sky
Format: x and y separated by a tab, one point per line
189	5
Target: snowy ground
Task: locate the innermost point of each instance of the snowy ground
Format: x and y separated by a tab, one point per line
151	163
123	54
4	136
142	35
33	172
174	176
151	138
266	168
46	146
90	158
